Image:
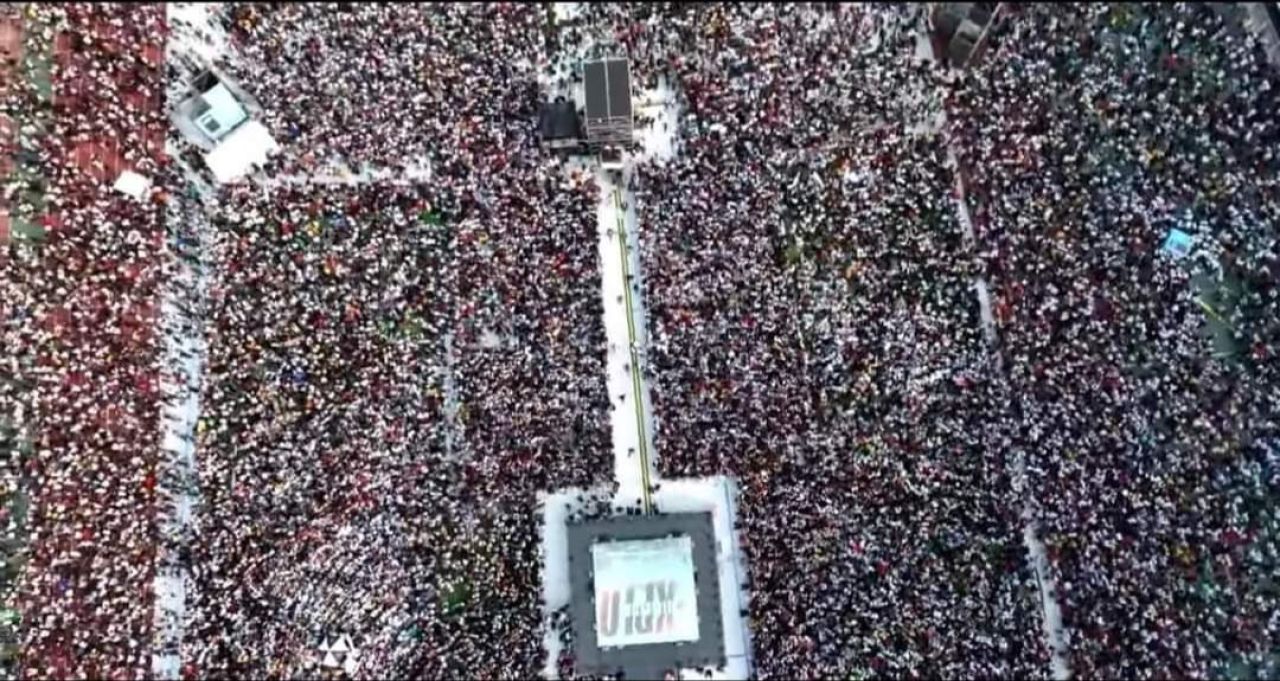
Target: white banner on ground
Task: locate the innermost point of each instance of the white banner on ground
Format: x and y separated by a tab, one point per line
645	592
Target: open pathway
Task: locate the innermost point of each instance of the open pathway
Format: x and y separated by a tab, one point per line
624	322
184	342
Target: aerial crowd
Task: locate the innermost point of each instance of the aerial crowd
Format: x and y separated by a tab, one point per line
919	314
81	343
815	333
1152	448
394	370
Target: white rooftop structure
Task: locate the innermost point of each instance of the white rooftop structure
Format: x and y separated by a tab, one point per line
247	147
133	184
217	112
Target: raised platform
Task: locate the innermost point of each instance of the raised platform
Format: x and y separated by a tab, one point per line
607	86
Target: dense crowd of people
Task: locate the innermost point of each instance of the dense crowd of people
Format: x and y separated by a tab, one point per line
1160	524
1091	132
814	333
395	370
81	336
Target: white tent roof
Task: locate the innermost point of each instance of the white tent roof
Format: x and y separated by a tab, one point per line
133	184
238	153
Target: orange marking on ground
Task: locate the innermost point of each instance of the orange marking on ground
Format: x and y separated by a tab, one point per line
8	144
11	40
51	221
107	149
152	54
100	156
11	33
83	156
62	49
117	163
155	142
135	100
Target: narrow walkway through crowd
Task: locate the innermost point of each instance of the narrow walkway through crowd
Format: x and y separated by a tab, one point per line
451	401
1055	636
415	174
181	322
624	322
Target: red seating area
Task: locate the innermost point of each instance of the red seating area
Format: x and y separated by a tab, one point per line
86	599
10	58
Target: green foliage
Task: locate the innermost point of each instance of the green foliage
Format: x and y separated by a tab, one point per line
793	254
431	217
457	597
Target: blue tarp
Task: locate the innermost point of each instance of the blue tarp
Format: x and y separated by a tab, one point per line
1177	244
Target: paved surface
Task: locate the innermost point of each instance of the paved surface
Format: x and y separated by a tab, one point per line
637	393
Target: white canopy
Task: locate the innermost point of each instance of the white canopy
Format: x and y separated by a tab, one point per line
133	184
238	153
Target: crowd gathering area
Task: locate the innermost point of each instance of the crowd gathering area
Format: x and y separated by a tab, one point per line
391	373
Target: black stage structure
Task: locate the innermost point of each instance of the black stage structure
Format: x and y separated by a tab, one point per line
634	617
607	86
559	125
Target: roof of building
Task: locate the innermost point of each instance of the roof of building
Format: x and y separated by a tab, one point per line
607	88
218	112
